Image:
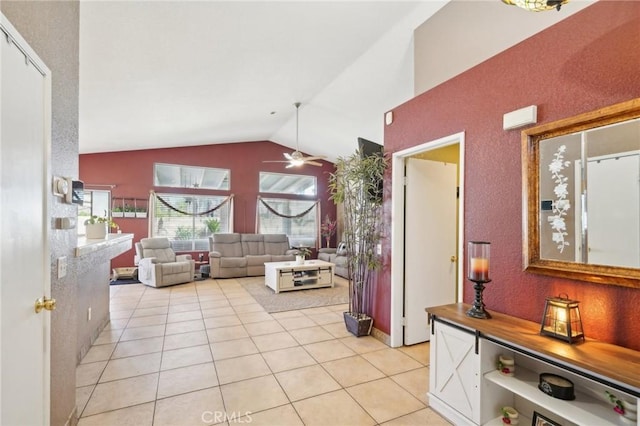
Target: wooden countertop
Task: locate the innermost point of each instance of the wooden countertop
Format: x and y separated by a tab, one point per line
609	361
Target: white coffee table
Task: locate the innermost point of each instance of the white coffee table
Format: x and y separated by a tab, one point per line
287	276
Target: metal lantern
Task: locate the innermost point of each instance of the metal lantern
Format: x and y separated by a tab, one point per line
561	319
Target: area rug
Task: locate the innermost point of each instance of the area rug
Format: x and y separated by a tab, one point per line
298	299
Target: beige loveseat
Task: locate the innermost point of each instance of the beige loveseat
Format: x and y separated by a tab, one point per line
244	255
338	257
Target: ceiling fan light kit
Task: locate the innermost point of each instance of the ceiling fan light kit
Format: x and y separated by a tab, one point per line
537	5
296	159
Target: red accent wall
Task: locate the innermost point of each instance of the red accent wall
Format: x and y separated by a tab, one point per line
588	61
132	174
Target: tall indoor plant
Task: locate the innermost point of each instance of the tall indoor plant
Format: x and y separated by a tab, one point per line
357	185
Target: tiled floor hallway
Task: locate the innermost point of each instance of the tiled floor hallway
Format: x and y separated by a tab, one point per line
207	353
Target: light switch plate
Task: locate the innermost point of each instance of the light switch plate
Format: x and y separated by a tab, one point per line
62	266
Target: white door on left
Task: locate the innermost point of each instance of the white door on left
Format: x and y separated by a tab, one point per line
25	129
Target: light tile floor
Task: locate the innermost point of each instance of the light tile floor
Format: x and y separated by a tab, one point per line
207	353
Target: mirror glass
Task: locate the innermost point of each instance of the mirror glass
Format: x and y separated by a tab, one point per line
582	188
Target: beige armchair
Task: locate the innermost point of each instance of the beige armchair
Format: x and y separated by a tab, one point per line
159	266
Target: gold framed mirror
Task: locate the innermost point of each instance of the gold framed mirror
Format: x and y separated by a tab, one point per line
581	196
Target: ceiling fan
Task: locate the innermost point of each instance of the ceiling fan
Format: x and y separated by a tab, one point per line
296	159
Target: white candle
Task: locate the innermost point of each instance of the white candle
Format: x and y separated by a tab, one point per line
479	269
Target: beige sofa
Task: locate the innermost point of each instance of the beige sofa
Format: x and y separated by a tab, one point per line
244	255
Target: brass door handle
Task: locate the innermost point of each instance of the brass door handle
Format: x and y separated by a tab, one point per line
453	259
45	303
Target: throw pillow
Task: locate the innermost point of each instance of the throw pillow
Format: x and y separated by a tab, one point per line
342	249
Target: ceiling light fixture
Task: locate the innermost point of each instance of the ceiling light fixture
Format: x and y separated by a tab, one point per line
296	159
537	5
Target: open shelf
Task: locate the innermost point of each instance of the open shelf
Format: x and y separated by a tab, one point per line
584	410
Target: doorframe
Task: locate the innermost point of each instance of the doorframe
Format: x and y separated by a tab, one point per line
397	228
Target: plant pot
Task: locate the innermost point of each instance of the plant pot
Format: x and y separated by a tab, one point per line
117	214
96	231
129	214
299	260
141	214
358	324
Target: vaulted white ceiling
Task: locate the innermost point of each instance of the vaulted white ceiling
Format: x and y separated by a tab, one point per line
177	73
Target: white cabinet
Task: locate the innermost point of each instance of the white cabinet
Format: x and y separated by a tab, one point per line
455	384
467	388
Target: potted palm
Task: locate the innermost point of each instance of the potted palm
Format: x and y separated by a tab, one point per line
356	184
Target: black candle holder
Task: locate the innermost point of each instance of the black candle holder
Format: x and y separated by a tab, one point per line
477	309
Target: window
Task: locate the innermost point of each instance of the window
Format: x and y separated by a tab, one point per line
96	203
280	183
191	231
296	215
275	218
177	176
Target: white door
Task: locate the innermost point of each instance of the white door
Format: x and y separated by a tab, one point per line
24	237
613	209
430	242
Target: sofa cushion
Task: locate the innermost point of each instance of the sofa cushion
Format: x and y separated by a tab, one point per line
228	245
252	244
175	268
233	262
253	260
342	249
341	261
327	257
283	257
160	248
276	244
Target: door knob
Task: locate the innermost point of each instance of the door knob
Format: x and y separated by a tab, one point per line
44	303
453	259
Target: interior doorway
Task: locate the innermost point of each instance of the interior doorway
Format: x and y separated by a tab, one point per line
423	292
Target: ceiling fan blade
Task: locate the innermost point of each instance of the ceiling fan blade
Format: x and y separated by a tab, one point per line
313	163
288	156
317	157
